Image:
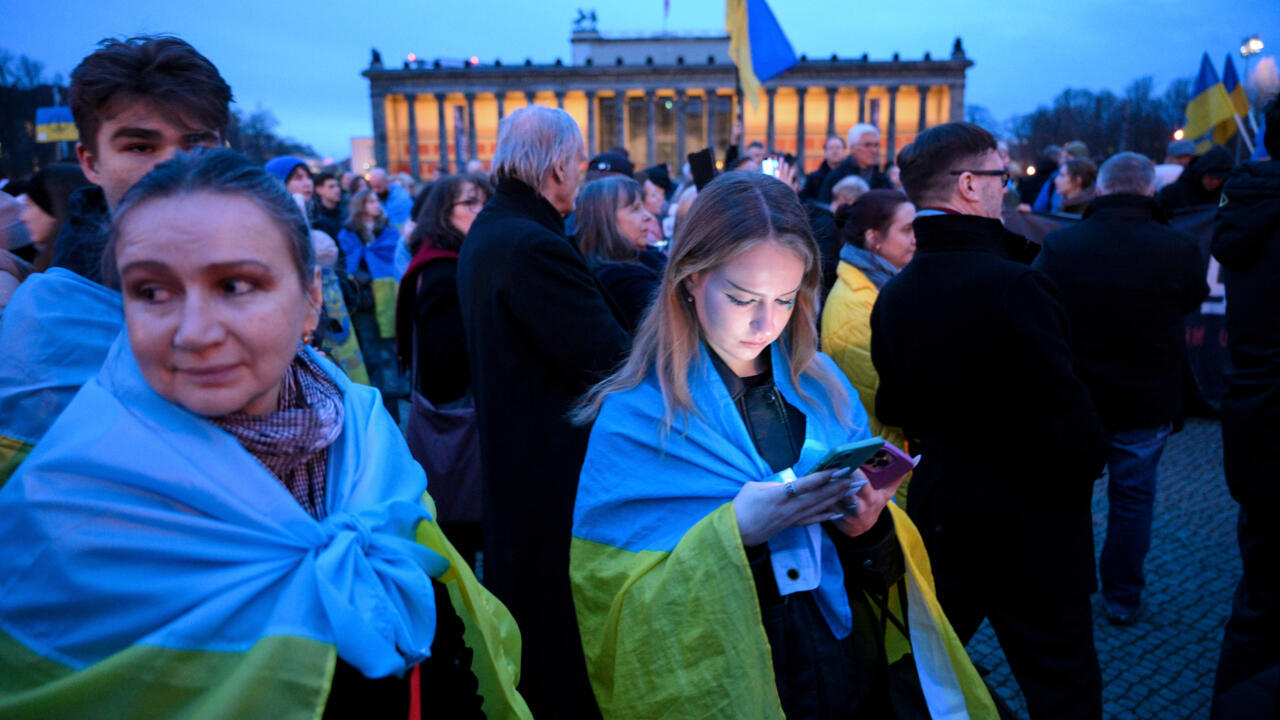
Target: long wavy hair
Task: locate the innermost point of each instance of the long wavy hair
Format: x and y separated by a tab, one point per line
356	216
733	214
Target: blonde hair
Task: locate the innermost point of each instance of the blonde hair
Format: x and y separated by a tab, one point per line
731	215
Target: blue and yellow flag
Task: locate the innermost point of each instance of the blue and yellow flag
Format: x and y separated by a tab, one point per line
1209	106
1239	103
757	45
54	124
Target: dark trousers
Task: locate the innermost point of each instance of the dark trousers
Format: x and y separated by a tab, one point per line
1247	668
1131	492
1049	645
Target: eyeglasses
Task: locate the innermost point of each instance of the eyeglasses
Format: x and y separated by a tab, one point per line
474	204
1004	175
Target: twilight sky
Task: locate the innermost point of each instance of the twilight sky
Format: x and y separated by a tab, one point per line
303	61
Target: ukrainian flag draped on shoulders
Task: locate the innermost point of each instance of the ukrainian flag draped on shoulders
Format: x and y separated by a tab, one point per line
55	333
666	602
154	568
757	45
1209	107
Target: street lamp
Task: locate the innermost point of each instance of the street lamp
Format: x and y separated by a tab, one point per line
1178	134
1250	46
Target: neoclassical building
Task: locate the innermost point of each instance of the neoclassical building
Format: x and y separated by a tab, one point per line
660	97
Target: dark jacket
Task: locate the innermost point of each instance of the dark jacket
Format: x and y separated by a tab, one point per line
1187	190
823	224
1127	282
540	332
1246	242
813	182
973	351
443	372
631	285
84	236
328	221
875	179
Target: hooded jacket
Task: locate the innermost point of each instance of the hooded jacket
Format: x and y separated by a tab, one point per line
1187	190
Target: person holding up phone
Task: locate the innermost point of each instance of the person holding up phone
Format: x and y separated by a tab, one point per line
715	572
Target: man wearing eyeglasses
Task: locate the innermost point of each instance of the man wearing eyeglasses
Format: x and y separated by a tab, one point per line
863	160
972	349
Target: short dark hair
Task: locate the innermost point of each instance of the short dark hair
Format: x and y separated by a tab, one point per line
926	164
1083	170
161	69
827	142
755	144
221	172
327	175
873	210
431	224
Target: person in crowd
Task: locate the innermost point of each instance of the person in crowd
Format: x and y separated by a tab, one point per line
847	192
395	198
1045	166
966	339
1180	152
1049	199
322	546
878	241
833	153
44	212
327	212
606	164
357	183
432	344
793	585
1246	242
863	160
656	183
894	174
135	102
1127	283
540	330
1200	184
1075	184
368	245
295	174
611	235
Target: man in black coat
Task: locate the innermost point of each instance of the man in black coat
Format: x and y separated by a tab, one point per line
1199	184
1128	282
1246	242
540	332
863	160
833	153
974	359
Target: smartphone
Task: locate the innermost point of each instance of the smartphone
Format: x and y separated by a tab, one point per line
769	166
702	165
851	455
887	465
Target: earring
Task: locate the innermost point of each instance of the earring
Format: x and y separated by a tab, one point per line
689	299
306	337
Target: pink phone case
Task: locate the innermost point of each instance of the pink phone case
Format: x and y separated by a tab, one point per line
887	465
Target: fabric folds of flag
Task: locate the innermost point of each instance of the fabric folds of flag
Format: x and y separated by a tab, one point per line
158	570
1209	106
757	45
1239	103
665	598
56	332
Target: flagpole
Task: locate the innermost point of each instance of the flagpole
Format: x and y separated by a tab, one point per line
1243	134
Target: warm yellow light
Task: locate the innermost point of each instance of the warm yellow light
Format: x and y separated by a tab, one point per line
1031	170
1178	134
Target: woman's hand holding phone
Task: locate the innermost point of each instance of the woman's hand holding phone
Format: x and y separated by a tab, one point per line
763	509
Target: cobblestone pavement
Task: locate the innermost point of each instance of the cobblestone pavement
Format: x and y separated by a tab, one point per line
1163	666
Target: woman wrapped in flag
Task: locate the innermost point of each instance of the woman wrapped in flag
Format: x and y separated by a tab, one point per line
714	574
221	524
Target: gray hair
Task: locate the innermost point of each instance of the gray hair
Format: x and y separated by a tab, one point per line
861	129
533	141
222	172
849	189
1127	173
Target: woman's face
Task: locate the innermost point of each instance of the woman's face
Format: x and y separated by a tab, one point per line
300	183
468	203
632	221
653	198
40	224
745	304
1066	184
898	243
212	302
372	208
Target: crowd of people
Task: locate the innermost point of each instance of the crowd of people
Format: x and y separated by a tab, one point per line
550	438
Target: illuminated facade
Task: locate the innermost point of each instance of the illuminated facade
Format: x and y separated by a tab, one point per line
660	97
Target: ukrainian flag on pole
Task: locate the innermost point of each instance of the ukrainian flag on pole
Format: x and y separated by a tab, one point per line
1209	106
1239	103
757	44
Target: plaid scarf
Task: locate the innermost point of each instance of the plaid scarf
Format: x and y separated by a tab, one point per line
293	442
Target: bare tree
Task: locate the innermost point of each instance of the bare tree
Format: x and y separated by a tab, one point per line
30	72
6	68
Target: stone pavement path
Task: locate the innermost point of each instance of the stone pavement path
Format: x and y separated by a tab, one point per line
1163	666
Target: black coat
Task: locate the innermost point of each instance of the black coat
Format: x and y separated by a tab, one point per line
813	182
330	222
823	224
1246	242
875	179
973	352
540	332
1128	283
443	371
1188	190
84	236
631	285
